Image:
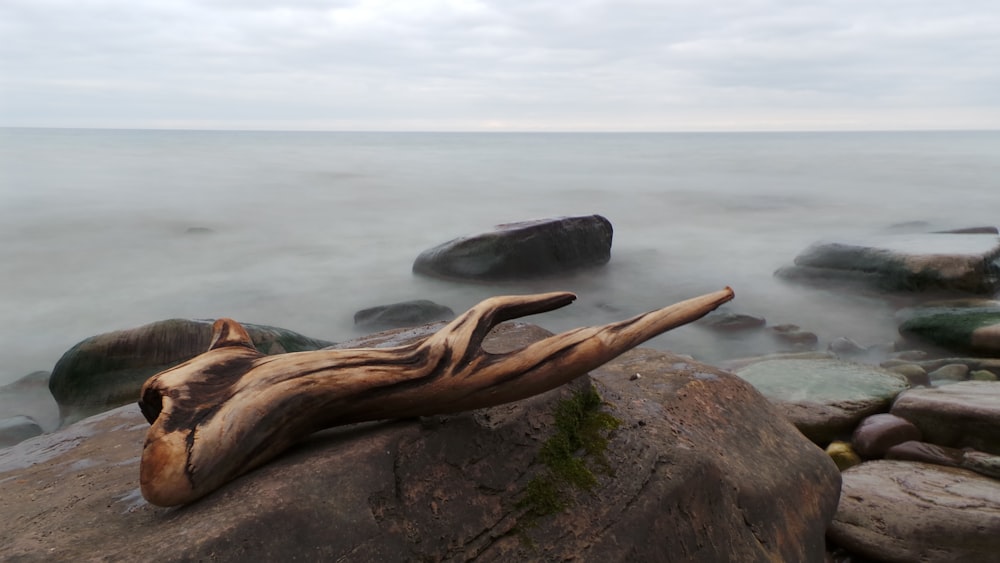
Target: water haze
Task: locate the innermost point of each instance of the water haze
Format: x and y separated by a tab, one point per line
110	229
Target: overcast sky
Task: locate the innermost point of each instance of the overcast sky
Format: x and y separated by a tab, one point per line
624	65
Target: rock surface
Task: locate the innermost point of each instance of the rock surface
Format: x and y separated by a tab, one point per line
957	326
897	511
402	314
965	414
702	469
529	249
107	370
911	262
825	399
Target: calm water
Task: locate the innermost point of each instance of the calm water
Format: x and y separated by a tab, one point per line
307	228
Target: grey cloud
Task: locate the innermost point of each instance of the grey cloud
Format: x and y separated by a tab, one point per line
533	64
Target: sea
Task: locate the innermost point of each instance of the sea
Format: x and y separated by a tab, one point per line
109	229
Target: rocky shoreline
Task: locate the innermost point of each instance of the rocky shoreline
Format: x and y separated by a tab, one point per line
914	426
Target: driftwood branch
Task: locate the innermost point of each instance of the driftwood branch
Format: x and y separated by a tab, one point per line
232	409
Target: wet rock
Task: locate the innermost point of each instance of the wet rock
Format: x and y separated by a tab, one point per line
964	414
913	373
701	467
825	399
899	511
728	321
879	432
980	462
16	429
905	262
843	346
107	370
403	314
528	249
795	337
964	326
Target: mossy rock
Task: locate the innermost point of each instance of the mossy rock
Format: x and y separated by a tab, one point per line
958	326
107	370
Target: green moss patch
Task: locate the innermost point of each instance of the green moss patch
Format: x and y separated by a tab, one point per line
570	456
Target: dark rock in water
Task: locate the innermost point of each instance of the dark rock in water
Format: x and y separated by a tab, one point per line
199	231
958	262
843	346
795	337
900	511
30	396
825	399
107	370
16	429
727	321
699	468
879	432
529	249
965	326
403	314
965	414
973	231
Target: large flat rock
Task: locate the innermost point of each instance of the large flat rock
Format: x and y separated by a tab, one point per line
959	415
701	468
824	398
899	511
912	262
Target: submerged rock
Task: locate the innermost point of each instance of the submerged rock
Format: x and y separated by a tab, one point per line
403	314
30	396
898	511
528	249
910	262
965	414
699	467
107	370
16	429
825	399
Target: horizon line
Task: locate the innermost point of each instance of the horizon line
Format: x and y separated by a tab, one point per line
505	131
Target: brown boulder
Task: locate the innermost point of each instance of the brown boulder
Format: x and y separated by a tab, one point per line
700	468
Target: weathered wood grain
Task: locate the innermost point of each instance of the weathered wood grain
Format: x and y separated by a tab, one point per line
232	409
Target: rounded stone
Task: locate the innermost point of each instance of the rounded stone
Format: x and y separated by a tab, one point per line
913	373
982	375
949	373
842	454
879	432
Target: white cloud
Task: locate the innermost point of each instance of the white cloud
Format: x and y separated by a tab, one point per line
471	64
